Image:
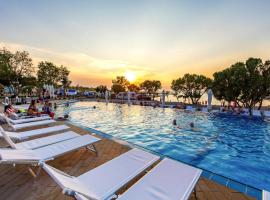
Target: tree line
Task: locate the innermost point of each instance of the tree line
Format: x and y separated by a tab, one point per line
245	83
17	70
121	84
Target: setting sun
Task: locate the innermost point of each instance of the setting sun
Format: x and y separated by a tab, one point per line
130	76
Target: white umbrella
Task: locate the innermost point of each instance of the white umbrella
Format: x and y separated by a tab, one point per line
210	95
107	96
6	100
51	91
128	95
163	99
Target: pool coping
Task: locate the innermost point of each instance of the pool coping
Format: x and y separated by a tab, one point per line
228	182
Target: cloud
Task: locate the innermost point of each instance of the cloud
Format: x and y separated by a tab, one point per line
84	69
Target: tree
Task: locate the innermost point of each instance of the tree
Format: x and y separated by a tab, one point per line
14	67
48	73
63	77
5	67
191	86
101	89
1	89
121	80
133	88
151	87
245	83
116	88
226	84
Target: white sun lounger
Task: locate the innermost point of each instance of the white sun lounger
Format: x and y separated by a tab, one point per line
30	119
256	113
43	154
102	182
265	195
40	142
168	180
266	114
245	112
190	108
30	124
18	136
205	110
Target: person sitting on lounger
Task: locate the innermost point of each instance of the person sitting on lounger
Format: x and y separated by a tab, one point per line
11	112
32	110
47	109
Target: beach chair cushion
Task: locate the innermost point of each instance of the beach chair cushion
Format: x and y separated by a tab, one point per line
169	180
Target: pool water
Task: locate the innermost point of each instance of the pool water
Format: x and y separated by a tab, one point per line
232	146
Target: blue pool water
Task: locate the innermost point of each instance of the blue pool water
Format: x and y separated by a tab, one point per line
231	146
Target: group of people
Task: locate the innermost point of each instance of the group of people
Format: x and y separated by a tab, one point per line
191	126
46	109
32	110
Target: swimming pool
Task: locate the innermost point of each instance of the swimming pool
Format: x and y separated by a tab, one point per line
232	146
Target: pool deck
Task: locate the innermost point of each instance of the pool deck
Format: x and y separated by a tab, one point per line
17	183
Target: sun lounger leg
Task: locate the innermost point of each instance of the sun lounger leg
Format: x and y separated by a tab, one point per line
35	174
195	193
92	148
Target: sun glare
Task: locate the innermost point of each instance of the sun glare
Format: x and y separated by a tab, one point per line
130	76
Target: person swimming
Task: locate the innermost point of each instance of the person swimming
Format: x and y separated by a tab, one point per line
94	107
193	128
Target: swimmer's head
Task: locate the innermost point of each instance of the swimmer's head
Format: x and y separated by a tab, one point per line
65	116
94	107
174	122
191	124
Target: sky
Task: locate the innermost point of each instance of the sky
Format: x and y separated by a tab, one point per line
151	39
